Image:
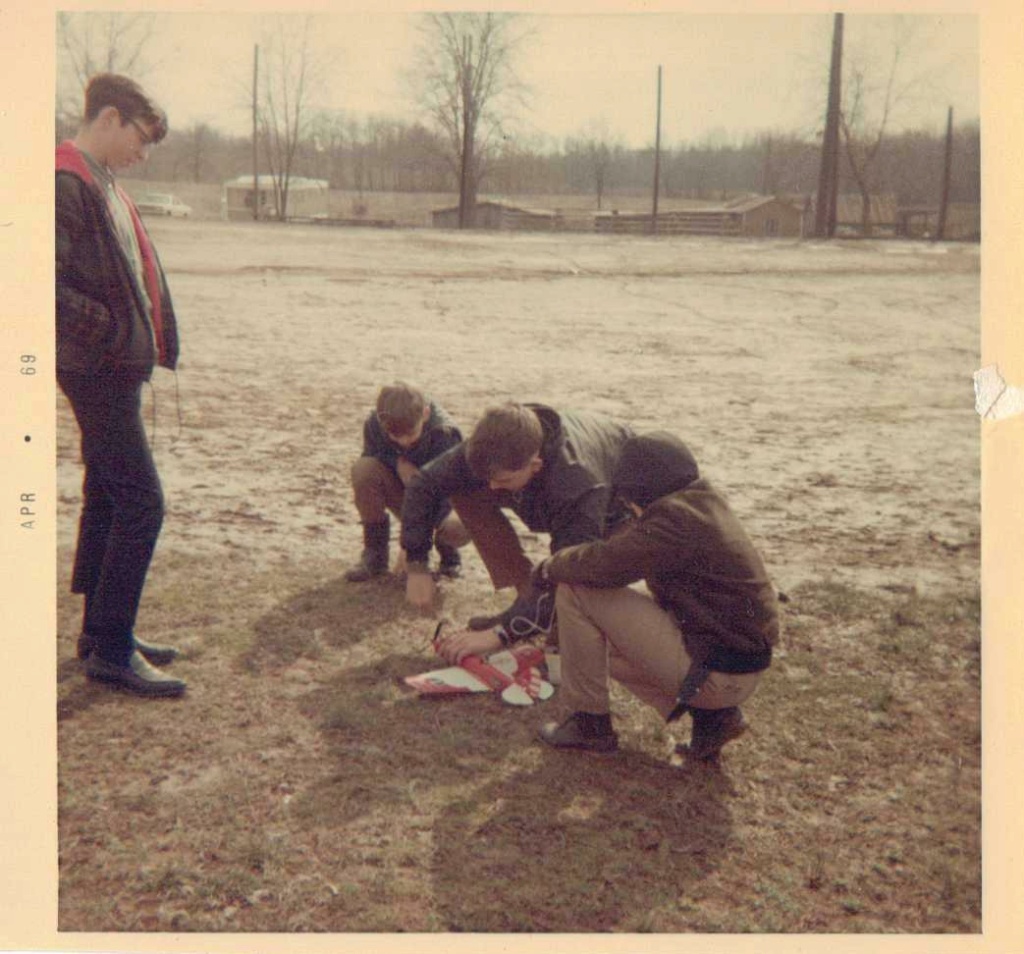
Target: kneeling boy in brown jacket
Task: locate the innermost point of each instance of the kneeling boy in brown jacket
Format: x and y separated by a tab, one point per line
703	637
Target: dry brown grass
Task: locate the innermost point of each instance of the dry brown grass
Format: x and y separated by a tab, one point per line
299	787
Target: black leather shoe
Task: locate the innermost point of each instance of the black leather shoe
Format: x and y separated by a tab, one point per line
154	653
712	729
137	676
578	732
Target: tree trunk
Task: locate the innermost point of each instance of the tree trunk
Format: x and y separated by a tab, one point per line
865	212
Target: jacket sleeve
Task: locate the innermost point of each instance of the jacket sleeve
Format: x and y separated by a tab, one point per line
373	443
433	444
448	436
637	552
81	320
426	496
579	520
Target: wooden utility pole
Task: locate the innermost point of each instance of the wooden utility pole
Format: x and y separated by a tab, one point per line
657	160
940	228
467	145
255	136
828	176
767	177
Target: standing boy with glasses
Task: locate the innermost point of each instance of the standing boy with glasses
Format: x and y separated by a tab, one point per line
115	323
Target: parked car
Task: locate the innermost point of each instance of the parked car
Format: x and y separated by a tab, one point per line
160	203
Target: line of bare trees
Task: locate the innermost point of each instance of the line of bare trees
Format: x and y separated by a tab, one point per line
468	88
379	155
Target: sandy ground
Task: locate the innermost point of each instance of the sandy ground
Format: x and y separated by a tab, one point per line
826	388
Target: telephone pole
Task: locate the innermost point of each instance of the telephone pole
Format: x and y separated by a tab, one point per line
657	160
255	137
828	177
940	228
467	136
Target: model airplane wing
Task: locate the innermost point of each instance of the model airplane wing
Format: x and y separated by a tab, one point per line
514	673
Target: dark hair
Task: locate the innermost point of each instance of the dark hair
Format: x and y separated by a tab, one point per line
505	438
128	98
400	408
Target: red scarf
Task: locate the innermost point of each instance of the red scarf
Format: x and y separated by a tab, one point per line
69	159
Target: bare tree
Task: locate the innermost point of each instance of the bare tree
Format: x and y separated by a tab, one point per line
90	43
289	75
875	91
467	74
599	148
328	140
198	139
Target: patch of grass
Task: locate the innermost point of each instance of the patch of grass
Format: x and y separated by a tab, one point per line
817	871
881	700
832	600
330	616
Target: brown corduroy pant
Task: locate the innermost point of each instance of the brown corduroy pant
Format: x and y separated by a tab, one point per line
478	518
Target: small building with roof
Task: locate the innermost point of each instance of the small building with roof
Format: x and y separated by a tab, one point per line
499	216
307	198
757	216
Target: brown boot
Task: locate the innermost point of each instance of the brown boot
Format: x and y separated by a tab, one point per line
375	557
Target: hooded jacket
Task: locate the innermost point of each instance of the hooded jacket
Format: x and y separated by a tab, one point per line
102	322
696	559
570	498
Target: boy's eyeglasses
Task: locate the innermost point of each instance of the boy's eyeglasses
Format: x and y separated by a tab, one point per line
147	140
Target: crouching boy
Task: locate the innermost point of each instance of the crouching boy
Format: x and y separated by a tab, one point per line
699	643
405	431
553	469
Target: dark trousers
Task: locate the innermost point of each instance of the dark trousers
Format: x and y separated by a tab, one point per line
122	507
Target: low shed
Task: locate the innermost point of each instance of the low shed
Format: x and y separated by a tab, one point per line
753	217
496	215
768	216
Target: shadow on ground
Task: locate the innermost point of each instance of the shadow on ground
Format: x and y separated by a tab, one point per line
559	842
334	616
583	843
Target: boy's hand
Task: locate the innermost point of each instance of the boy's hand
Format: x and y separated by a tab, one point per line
458	646
420	587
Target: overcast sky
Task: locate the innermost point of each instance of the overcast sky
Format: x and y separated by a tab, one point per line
724	75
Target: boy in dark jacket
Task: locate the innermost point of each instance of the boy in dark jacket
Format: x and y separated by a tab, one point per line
553	469
699	642
114	323
405	431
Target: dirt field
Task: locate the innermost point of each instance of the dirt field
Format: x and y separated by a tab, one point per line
826	388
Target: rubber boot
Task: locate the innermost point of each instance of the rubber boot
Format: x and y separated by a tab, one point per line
451	560
375	558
